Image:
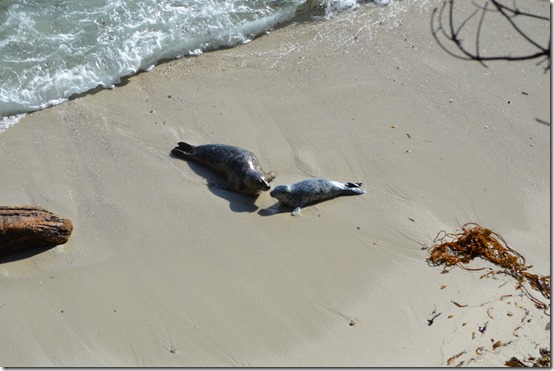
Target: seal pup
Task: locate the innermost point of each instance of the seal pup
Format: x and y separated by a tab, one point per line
240	167
313	190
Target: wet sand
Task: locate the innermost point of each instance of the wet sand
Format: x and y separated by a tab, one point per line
162	270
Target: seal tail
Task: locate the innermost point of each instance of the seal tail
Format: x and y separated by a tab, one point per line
353	188
183	150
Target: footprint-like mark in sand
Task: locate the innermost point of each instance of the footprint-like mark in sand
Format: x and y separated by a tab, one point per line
306	160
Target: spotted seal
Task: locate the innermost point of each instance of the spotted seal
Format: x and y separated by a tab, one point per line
240	167
313	190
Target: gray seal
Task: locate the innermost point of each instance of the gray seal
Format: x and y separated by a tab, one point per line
313	190
240	167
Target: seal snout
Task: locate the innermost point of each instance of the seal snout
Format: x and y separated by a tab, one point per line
265	185
275	191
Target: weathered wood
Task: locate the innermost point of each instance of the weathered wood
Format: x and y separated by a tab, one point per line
24	227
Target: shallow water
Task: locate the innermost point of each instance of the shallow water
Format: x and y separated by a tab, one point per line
53	49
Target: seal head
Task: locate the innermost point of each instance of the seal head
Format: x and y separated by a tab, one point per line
256	180
238	166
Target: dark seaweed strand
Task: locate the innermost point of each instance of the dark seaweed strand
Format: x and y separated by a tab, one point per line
460	248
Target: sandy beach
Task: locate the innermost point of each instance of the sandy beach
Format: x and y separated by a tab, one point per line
163	270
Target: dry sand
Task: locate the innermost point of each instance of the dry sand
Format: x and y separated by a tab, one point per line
163	271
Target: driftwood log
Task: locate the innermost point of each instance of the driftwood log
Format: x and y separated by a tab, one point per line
24	227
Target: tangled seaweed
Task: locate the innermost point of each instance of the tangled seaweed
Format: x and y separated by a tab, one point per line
542	361
475	241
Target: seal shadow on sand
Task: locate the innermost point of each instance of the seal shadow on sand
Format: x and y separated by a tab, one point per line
216	184
276	208
279	208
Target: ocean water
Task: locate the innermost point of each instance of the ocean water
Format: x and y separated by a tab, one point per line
53	49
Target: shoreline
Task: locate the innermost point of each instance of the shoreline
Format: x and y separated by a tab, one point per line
305	13
162	270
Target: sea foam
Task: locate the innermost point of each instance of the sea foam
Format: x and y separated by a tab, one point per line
53	49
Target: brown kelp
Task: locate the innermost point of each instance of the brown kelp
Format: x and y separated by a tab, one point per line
475	241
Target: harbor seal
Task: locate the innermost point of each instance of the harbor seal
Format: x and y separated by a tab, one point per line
240	167
313	190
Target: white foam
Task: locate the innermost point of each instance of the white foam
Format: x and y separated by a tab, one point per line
85	44
9	121
381	2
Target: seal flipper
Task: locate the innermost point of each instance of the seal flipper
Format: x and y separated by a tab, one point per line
353	185
296	211
298	206
183	150
353	188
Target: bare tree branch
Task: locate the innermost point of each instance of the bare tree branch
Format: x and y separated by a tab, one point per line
451	37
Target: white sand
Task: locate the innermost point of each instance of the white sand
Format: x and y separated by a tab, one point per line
163	271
